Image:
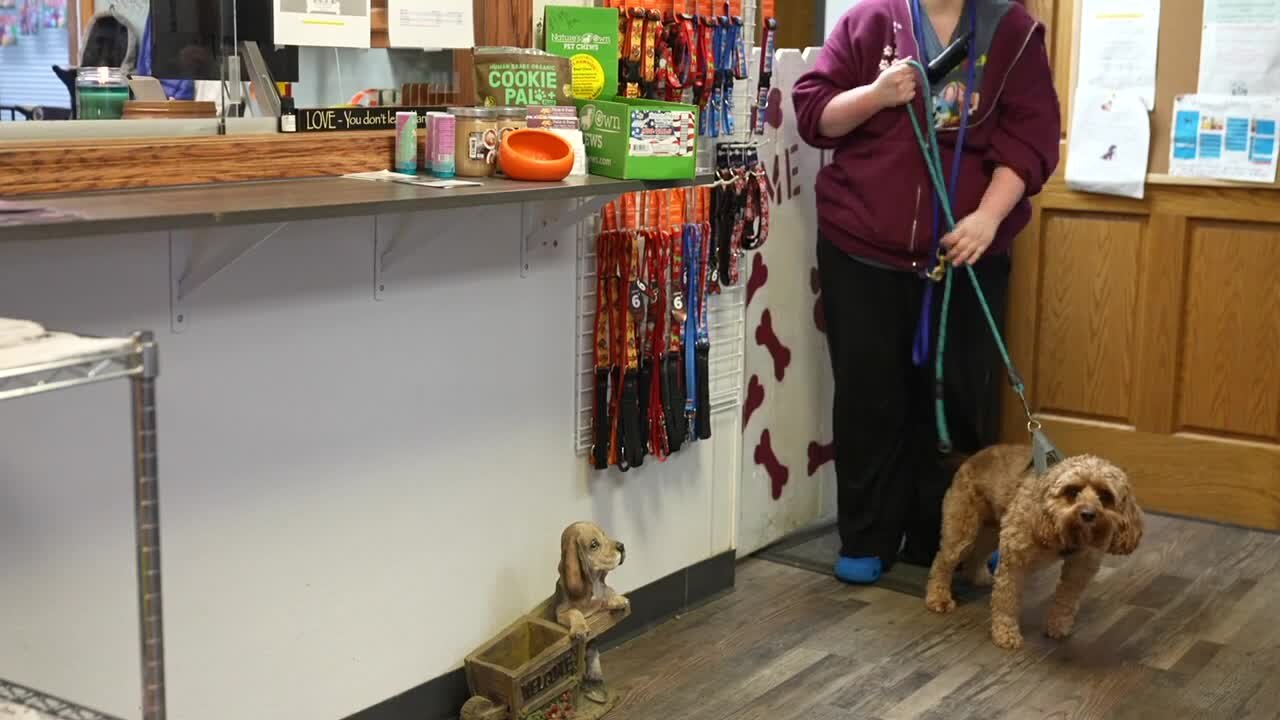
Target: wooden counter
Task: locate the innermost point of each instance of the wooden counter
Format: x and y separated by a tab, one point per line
135	211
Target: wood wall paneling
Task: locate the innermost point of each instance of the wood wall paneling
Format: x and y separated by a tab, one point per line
1149	331
800	23
1088	299
1230	349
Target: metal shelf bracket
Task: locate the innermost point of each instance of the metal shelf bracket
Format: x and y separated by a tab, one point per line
193	264
543	221
396	238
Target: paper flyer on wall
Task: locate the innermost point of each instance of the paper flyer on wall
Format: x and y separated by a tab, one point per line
1109	143
1118	43
435	24
322	23
1225	137
1240	48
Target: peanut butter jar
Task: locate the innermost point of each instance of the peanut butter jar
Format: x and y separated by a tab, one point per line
476	141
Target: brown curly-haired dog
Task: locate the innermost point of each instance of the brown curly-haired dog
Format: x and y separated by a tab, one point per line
1079	510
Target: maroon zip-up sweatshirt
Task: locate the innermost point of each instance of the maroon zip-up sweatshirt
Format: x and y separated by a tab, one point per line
874	197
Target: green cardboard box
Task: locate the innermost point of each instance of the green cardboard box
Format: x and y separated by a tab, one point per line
631	139
588	36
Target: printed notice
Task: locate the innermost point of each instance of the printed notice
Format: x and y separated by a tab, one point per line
1110	140
1118	42
434	24
322	23
1225	137
1241	12
1240	48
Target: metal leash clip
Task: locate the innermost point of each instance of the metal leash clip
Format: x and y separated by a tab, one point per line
939	271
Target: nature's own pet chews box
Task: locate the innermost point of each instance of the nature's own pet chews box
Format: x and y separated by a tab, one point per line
588	36
633	139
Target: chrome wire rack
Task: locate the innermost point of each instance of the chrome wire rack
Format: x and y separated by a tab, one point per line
31	370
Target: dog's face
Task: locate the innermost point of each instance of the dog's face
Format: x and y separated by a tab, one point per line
1088	502
587	554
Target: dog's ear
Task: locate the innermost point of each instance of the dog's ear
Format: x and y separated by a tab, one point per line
1040	494
1128	530
572	571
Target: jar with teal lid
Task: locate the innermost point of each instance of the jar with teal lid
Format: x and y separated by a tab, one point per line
101	93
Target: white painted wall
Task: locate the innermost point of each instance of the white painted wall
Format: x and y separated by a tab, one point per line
354	495
835	10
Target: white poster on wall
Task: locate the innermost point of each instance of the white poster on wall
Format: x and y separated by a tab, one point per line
436	24
1240	48
1109	143
788	476
1118	45
1225	138
322	23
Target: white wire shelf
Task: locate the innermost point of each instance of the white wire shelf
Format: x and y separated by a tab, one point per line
58	361
48	705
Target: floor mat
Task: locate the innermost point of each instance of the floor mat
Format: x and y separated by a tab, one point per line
816	550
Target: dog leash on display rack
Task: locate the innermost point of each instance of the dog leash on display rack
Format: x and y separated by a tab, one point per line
631	25
768	48
657	254
757	213
704	87
601	418
728	211
650	50
1044	453
677	428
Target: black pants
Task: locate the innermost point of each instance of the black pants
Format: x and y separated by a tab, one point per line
890	474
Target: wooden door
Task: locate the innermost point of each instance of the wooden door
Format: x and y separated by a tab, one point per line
1149	332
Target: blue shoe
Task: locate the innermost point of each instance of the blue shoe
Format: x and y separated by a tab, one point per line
993	562
858	571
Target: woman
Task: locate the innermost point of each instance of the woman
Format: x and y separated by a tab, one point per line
880	234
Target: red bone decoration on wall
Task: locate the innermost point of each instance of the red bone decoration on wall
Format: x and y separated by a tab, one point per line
820	455
759	276
767	338
819	318
765	457
755	398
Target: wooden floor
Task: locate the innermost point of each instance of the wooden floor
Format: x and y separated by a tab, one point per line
1189	627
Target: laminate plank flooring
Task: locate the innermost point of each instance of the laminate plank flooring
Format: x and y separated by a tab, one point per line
1184	629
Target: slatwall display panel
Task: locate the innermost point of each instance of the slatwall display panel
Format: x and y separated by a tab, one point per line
26	70
726	324
726	317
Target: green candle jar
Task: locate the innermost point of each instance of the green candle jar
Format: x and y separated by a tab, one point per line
101	93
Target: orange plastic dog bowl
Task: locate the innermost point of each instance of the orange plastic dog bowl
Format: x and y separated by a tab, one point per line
535	155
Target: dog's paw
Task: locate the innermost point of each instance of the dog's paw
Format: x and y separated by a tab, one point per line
618	602
579	630
941	603
1007	638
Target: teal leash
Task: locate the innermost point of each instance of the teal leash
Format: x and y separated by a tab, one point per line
1045	454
